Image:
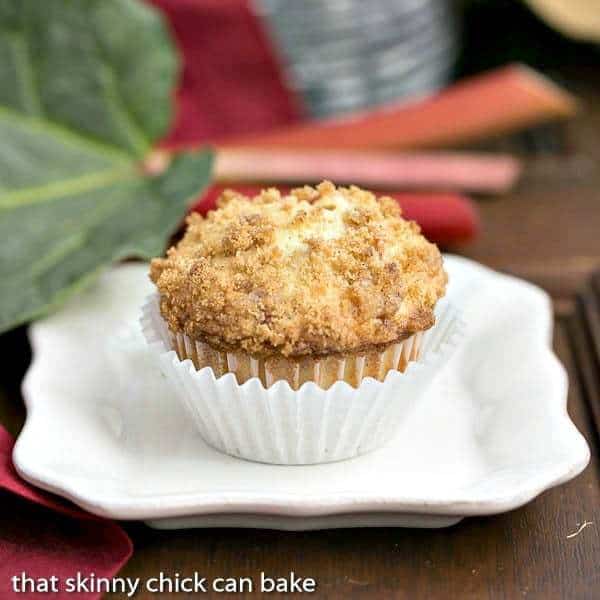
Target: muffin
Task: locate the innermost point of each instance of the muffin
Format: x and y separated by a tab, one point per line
299	329
325	284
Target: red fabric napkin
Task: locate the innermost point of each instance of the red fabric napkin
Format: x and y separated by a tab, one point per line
231	82
53	537
444	218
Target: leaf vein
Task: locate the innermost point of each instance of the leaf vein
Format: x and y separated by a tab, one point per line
67	187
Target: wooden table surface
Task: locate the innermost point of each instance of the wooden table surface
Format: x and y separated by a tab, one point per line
548	231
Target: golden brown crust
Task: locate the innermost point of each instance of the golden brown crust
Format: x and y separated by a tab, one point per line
324	270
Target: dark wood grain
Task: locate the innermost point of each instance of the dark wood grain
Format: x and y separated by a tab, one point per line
546	230
584	332
547	233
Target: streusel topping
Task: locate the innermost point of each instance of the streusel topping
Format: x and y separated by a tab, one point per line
322	270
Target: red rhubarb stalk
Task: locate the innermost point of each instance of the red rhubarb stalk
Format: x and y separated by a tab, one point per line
444	218
448	171
503	100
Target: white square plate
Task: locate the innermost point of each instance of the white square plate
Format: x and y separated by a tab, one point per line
493	432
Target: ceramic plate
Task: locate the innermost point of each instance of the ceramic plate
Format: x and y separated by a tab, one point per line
492	433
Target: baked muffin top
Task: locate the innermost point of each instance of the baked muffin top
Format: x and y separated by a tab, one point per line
323	270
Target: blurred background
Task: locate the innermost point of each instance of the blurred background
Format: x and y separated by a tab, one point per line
287	61
343	55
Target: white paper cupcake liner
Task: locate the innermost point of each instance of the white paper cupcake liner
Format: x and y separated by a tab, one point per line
322	371
310	425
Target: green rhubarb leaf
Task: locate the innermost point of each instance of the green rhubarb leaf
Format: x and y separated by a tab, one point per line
85	92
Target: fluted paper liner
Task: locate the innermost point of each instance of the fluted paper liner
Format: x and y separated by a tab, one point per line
311	424
323	371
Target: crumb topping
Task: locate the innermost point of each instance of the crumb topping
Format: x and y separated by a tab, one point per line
322	270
